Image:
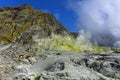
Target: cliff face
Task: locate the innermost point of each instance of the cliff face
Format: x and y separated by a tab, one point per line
25	23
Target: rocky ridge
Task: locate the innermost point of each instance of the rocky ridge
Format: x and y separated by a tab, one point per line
25	24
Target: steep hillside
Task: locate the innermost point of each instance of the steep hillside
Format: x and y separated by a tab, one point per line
25	24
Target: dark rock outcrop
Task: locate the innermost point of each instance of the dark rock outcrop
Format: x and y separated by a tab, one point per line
75	34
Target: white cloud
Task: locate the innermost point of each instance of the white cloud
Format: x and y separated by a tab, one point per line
98	16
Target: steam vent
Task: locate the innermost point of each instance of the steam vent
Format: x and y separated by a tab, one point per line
34	45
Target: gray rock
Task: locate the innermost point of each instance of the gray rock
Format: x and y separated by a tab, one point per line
57	65
73	66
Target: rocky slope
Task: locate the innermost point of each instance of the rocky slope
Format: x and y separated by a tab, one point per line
25	24
18	64
20	27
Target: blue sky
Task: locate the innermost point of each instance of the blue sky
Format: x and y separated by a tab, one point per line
59	8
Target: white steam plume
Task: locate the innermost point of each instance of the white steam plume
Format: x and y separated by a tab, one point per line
100	17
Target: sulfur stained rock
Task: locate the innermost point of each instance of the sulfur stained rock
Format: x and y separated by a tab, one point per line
17	22
21	26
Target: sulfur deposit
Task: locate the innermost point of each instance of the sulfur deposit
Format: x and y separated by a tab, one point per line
35	46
